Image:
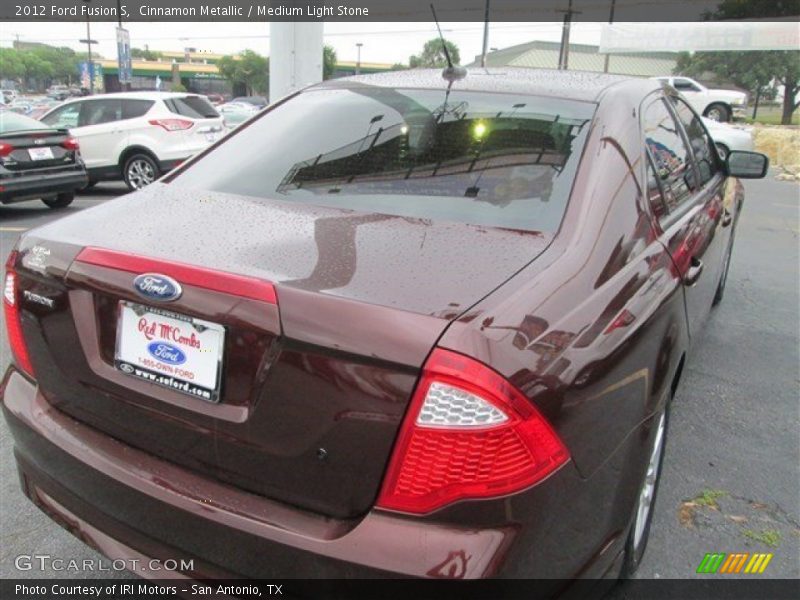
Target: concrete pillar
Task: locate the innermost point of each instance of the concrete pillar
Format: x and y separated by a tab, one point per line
295	56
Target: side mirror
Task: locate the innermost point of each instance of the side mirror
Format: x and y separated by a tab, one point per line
747	165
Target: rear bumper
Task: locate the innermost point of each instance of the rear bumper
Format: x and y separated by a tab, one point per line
17	189
131	505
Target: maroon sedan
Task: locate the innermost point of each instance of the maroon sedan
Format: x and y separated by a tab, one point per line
390	326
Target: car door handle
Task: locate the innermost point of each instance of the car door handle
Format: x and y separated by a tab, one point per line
727	218
694	271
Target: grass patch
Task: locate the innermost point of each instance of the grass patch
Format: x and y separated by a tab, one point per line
768	537
709	498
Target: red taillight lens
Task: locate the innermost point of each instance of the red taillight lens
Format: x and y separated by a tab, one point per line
468	434
5	149
71	144
172	124
13	323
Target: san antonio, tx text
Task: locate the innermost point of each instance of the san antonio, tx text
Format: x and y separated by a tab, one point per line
145	589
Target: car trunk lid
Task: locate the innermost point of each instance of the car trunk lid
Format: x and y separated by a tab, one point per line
313	386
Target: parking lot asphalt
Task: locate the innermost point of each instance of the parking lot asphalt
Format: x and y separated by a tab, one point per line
732	471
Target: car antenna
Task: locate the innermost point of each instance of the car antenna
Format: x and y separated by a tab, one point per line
449	73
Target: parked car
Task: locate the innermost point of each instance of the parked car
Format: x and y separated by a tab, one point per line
8	96
395	325
728	137
58	92
236	113
38	162
257	101
137	136
216	99
717	105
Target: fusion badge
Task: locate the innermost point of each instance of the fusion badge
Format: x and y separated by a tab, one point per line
155	286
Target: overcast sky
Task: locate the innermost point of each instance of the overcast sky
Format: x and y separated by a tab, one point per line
383	42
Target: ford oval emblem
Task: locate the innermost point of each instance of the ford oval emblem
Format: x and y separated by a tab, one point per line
166	353
154	286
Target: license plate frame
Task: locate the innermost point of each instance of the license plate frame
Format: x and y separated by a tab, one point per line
154	344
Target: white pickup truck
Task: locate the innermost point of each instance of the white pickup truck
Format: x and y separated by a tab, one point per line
717	105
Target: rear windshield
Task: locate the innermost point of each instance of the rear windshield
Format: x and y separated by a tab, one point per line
11	121
499	160
194	107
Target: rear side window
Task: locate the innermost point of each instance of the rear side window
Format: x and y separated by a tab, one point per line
132	109
684	85
97	112
670	155
705	153
499	160
194	107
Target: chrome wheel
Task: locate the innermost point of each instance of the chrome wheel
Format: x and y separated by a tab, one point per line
647	493
140	172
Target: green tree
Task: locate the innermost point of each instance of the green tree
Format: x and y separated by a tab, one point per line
432	55
249	70
11	66
328	61
754	71
145	54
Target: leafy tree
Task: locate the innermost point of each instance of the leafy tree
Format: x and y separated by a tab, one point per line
328	61
398	67
432	55
11	66
145	54
755	70
249	70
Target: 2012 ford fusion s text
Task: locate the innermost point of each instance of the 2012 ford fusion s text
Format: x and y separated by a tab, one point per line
395	325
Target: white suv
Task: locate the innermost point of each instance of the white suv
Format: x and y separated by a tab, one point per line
137	136
717	105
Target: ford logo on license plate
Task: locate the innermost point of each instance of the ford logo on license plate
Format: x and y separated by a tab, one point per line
154	286
166	353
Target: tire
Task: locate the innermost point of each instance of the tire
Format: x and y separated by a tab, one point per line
723	279
140	170
723	151
718	112
60	201
646	500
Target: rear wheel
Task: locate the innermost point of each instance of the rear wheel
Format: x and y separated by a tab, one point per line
60	201
718	112
643	512
140	170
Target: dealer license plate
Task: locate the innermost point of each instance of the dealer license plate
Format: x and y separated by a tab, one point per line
41	153
171	350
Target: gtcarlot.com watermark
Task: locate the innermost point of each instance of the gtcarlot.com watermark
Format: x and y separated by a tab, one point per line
46	562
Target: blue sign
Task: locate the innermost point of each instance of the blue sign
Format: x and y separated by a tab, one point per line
124	66
91	71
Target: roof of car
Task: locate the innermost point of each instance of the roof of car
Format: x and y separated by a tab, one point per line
137	95
578	85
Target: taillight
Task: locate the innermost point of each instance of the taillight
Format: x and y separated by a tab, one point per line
5	149
172	124
13	323
71	144
468	433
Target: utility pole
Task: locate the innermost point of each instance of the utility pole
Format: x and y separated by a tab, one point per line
485	34
358	60
89	41
610	21
563	55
